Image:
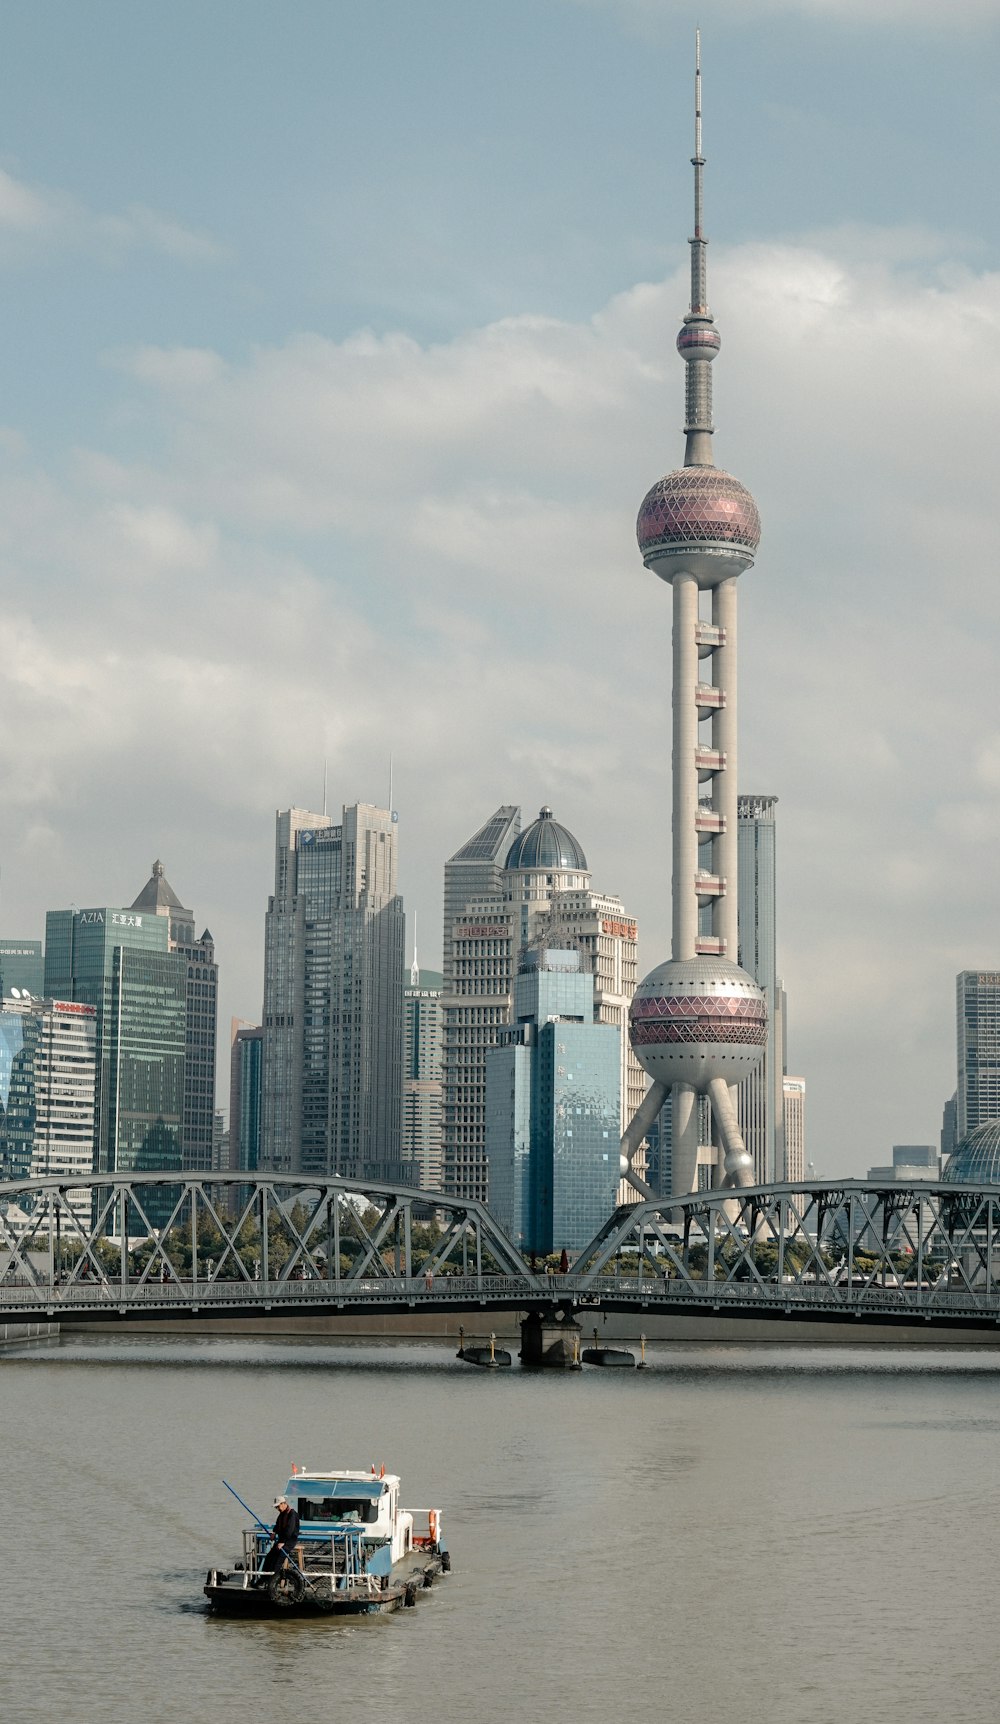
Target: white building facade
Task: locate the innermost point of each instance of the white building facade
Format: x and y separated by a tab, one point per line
978	1022
423	1089
48	1065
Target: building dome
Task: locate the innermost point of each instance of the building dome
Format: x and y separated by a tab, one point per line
546	844
976	1161
701	520
695	1019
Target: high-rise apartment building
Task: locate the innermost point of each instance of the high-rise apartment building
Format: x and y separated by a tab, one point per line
542	895
759	1098
22	966
333	998
794	1099
119	962
978	1002
422	1086
46	1087
47	1080
553	1108
157	898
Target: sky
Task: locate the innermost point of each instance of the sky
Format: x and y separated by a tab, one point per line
337	355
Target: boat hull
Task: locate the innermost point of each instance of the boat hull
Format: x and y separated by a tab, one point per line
228	1595
226	1598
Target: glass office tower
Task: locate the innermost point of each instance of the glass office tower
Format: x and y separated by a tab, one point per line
245	1072
158	898
22	966
333	999
119	962
553	1109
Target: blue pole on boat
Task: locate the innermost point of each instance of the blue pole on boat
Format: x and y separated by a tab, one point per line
242	1504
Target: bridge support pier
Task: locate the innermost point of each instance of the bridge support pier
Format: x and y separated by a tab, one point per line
550	1339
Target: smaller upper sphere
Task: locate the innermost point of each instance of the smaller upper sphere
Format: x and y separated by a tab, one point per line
699	519
546	844
698	341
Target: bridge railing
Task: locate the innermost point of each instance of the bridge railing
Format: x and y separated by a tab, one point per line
492	1292
101	1293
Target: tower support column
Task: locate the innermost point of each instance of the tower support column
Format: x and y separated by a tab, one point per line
685	772
724	738
683	1139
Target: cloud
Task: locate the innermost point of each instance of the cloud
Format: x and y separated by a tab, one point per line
649	16
354	549
36	220
23	209
146	229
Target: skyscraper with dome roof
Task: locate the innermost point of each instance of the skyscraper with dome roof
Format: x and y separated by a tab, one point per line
542	894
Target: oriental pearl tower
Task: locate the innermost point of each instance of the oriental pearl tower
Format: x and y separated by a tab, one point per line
698	1023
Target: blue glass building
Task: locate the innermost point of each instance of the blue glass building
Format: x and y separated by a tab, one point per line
22	966
19	1038
553	1100
246	1073
119	961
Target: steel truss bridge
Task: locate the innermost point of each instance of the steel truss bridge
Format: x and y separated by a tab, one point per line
166	1245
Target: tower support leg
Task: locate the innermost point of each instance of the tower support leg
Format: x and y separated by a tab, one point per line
738	1165
683	1140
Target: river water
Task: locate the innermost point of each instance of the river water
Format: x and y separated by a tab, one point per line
762	1534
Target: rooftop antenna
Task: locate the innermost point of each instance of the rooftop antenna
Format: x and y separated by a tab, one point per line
325	765
699	339
390	784
415	966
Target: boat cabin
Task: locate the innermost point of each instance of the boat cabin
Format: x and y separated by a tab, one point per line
366	1503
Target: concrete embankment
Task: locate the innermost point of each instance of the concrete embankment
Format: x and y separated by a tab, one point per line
11	1334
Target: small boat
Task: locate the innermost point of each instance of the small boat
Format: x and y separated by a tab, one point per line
358	1552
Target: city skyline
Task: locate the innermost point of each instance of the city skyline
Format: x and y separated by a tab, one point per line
197	432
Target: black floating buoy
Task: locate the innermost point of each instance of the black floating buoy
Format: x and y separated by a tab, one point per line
410	1595
608	1356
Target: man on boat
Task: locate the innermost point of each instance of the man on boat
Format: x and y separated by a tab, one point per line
285	1536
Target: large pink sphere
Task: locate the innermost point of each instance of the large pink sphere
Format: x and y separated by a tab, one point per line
701	520
695	1019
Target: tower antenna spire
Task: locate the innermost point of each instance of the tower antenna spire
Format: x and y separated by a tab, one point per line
697	159
698	342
